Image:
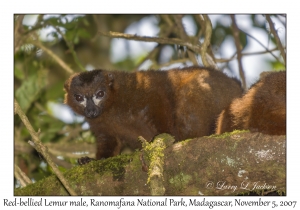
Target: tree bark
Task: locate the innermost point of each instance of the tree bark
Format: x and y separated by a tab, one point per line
229	164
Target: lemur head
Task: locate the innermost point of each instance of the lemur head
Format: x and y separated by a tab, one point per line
87	93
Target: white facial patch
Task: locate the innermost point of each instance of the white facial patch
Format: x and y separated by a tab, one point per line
96	100
83	103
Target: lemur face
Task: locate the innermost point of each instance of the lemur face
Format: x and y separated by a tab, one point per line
87	92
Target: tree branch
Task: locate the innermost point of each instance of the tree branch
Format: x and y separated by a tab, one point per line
225	60
41	148
18	33
184	36
179	61
21	176
155	155
160	40
261	44
239	51
206	42
240	160
274	32
54	56
71	48
151	55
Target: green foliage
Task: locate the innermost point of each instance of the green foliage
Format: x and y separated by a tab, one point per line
30	89
125	64
221	32
243	39
277	65
49	127
55	91
18	73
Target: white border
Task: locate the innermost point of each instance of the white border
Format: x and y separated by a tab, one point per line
8	8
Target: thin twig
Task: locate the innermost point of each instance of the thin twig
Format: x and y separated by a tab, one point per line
206	28
239	51
97	23
199	20
261	44
156	50
21	176
180	28
261	52
184	36
161	40
282	21
40	23
183	60
41	148
71	48
18	33
274	32
167	19
206	42
224	60
54	56
149	56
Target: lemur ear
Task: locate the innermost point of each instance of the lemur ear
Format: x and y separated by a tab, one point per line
68	82
110	79
67	85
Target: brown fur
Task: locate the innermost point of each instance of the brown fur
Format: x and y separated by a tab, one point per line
183	102
262	108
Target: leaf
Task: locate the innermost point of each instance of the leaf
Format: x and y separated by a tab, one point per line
277	66
219	34
55	91
48	125
83	33
30	89
243	39
18	73
53	21
256	23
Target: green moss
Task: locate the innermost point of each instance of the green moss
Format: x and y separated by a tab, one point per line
155	152
114	166
281	192
180	180
39	188
184	142
227	134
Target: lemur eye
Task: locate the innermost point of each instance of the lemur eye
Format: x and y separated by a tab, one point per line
100	94
78	98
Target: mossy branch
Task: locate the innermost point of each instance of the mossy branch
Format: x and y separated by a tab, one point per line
192	167
155	154
41	148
